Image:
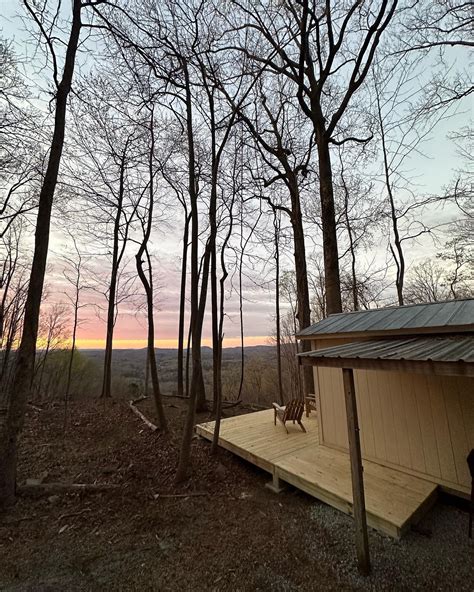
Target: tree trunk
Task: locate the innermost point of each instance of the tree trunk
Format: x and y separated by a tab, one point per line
182	305
210	254
220	335
241	311
73	347
201	404
328	219
301	272
185	452
277	306
397	253
355	294
188	356
216	344
116	257
37	395
25	355
148	285
147	374
215	331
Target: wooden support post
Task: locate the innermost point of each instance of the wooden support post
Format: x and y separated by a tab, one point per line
470	464
362	543
275	484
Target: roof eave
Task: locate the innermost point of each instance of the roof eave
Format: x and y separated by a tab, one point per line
443	330
439	368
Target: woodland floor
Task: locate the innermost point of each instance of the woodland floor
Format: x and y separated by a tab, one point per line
239	536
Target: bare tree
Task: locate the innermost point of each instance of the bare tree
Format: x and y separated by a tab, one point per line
21	161
73	274
438	31
449	277
277	129
277	228
402	129
105	176
146	222
13	286
195	327
221	312
45	19
51	337
173	178
326	52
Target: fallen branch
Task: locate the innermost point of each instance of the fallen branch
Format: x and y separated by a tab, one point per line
151	425
191	494
141	398
173	495
39	489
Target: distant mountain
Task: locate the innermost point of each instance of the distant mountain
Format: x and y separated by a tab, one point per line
227	352
130	363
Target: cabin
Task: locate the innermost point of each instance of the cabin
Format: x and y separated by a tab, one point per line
414	386
394	419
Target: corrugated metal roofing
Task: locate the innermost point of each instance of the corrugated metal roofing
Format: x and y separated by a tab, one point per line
416	349
436	315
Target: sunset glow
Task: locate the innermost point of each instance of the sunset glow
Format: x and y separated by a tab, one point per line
167	343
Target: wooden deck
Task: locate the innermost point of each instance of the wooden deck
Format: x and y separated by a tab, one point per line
394	500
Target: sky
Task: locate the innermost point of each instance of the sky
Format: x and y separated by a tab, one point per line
432	171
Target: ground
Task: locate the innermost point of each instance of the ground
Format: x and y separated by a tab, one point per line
222	530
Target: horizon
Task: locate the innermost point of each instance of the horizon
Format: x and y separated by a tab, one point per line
138	344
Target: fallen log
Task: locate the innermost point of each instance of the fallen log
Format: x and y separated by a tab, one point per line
39	489
145	420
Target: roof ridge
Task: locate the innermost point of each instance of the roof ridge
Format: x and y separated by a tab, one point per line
393	306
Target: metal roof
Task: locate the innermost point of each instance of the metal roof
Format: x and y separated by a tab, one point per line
416	349
433	316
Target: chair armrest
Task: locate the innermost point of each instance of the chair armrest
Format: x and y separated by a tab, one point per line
278	407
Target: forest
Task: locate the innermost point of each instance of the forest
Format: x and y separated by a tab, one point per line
218	175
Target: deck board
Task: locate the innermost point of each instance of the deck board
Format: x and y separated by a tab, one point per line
394	499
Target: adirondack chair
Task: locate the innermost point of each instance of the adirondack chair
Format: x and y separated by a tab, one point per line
310	403
293	411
